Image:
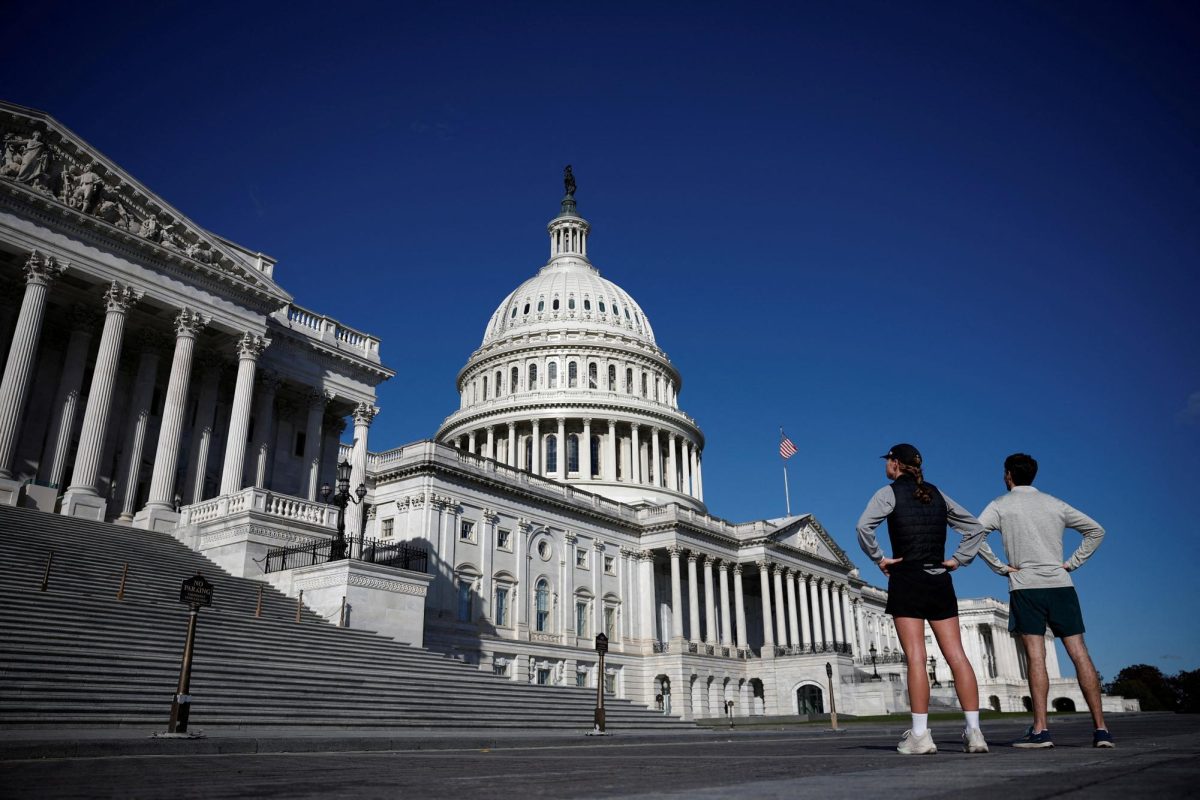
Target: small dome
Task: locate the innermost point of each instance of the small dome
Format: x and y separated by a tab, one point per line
568	293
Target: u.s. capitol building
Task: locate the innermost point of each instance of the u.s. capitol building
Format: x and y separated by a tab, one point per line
157	375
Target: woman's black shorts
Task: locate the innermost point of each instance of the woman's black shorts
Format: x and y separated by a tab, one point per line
916	593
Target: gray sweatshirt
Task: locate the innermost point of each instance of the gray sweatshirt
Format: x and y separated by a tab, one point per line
1031	524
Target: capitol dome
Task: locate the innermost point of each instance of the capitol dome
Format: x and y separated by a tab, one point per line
570	384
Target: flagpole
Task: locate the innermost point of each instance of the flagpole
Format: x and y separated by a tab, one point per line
787	498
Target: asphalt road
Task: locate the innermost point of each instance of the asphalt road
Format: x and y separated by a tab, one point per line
1156	756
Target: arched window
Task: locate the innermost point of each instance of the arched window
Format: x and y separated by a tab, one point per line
595	456
528	453
514	313
572	375
541	304
602	306
526	311
629	381
541	600
464	600
592	375
499	382
485	387
587	304
573	452
555	306
612	377
644	382
514	376
533	376
552	375
551	453
571	303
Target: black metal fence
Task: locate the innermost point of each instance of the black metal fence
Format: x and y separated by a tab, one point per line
404	555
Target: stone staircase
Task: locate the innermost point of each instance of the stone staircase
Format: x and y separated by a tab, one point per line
76	655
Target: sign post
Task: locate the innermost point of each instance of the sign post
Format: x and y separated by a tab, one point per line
601	649
832	698
196	592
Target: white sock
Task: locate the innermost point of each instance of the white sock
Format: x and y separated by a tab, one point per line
920	724
972	719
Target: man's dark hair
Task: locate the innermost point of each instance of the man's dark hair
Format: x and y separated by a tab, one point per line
1022	467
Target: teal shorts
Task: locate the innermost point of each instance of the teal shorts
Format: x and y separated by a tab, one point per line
1031	611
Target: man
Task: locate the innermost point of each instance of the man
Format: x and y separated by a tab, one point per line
1041	592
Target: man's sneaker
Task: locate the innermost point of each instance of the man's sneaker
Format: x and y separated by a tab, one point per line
1102	738
973	741
911	745
1032	740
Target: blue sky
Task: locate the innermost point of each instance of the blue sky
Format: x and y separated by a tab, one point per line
969	226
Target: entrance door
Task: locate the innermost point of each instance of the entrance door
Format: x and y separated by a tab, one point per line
810	700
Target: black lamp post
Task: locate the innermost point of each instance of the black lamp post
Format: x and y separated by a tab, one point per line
874	671
933	681
832	697
340	498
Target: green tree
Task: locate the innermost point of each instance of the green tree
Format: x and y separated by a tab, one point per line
1187	689
1146	683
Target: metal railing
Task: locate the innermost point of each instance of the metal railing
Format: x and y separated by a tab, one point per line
391	554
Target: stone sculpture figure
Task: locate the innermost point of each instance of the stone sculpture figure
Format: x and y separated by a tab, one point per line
33	157
149	229
12	157
569	181
87	190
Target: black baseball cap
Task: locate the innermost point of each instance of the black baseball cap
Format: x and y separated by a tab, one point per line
905	454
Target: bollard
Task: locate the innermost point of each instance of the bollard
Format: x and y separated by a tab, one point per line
342	616
299	604
46	574
258	608
124	573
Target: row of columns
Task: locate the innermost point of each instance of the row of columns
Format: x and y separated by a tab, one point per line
798	610
677	466
612	375
82	496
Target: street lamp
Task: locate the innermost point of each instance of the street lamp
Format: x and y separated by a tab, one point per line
832	698
340	498
933	681
873	651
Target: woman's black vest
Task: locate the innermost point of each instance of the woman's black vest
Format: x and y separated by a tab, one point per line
917	530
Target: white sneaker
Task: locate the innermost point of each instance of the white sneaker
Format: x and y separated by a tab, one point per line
973	741
911	745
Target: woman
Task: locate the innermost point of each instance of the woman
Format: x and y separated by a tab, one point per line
920	589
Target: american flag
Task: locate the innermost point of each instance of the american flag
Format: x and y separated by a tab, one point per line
786	448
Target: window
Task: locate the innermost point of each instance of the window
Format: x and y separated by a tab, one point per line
466	533
592	377
570	303
541	305
573	452
485	387
610	622
528	453
581	676
612	378
555	306
581	558
610	565
533	376
499	382
514	313
388	525
552	453
602	306
464	600
502	606
300	441
629	381
552	373
587	304
644	384
542	604
543	549
526	310
610	683
504	539
543	676
581	617
500	667
514	376
572	375
595	456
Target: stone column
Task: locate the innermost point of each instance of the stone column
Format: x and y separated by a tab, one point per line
161	505
364	414
860	630
793	618
610	474
82	499
310	476
264	425
491	442
687	468
646	594
14	387
536	448
130	470
672	471
562	449
249	347
693	599
826	612
835	606
781	632
471	443
814	591
657	453
209	369
62	423
676	595
710	604
698	477
693	453
806	637
585	454
723	577
739	601
764	585
510	457
635	456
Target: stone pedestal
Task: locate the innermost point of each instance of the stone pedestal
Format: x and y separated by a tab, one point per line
156	518
83	502
10	492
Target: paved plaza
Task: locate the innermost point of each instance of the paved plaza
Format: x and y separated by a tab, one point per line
1158	755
